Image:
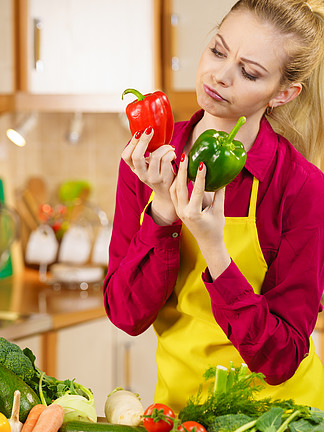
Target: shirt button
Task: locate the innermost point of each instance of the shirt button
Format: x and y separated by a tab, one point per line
175	234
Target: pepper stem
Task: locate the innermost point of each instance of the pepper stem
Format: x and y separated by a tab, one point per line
135	92
235	129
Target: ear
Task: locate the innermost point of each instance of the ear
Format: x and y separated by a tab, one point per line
286	95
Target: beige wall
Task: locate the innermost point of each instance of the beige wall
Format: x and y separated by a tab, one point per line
48	154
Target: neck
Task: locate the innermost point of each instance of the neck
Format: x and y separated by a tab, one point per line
247	134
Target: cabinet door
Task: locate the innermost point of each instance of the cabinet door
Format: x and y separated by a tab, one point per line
90	46
85	352
136	364
6	47
188	27
7	55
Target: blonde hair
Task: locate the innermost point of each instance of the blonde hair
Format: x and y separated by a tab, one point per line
301	23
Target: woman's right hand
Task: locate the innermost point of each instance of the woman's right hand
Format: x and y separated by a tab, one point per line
155	171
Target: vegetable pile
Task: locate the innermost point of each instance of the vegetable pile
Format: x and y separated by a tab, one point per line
31	401
19	372
231	406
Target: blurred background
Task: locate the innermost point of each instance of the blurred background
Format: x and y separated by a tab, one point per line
63	67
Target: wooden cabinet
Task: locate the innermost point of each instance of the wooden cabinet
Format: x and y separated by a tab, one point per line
7	57
88	51
188	26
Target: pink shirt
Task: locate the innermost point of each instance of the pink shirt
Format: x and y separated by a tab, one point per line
271	331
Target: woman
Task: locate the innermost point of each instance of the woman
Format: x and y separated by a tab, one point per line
235	275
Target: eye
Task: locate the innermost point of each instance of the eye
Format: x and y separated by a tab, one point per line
217	53
248	76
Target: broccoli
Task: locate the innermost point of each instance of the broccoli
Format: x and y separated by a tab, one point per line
13	358
229	422
22	363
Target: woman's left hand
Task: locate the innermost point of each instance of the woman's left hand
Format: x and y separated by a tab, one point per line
203	215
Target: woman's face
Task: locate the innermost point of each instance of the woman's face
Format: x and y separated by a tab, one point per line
240	70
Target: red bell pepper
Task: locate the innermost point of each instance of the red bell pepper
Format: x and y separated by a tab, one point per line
152	109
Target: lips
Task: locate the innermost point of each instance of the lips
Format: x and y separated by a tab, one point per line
213	94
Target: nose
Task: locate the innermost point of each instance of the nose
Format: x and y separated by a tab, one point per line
224	73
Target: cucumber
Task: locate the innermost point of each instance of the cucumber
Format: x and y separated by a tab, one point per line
83	426
9	382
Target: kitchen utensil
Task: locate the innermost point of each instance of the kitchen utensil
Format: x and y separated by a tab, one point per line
42	246
101	245
76	245
38	189
70	191
66	273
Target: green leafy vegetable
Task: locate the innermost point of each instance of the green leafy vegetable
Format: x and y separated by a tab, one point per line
13	358
231	405
77	407
270	421
22	363
49	388
228	422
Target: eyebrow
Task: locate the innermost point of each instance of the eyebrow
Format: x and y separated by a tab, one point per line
243	58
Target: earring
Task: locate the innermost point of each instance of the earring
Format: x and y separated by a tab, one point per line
269	110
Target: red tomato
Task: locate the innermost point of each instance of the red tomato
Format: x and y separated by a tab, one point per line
189	426
159	418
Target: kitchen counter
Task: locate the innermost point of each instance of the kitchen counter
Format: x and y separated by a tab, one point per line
29	306
67	330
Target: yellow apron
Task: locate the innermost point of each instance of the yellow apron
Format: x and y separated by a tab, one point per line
190	340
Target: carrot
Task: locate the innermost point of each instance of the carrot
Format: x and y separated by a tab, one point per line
50	420
32	417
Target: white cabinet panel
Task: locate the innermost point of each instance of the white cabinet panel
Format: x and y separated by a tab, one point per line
85	352
192	24
136	368
6	47
91	47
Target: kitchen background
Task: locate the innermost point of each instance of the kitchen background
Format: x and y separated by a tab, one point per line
72	59
48	154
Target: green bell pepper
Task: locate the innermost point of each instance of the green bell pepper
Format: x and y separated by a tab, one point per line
223	156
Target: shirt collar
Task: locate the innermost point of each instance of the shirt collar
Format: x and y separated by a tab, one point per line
261	154
259	157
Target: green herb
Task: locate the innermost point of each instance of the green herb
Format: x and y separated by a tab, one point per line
49	388
229	422
233	393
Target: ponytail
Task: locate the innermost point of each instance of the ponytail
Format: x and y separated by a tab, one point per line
301	23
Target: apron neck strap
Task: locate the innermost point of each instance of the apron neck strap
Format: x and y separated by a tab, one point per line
253	197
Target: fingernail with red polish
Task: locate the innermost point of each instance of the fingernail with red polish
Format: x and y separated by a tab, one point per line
148	130
138	134
201	166
182	157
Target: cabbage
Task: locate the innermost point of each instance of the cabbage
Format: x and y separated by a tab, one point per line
77	407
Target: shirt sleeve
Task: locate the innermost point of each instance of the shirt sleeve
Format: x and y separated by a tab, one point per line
271	331
143	260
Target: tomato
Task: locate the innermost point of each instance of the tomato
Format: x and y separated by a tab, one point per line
189	426
4	424
159	418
